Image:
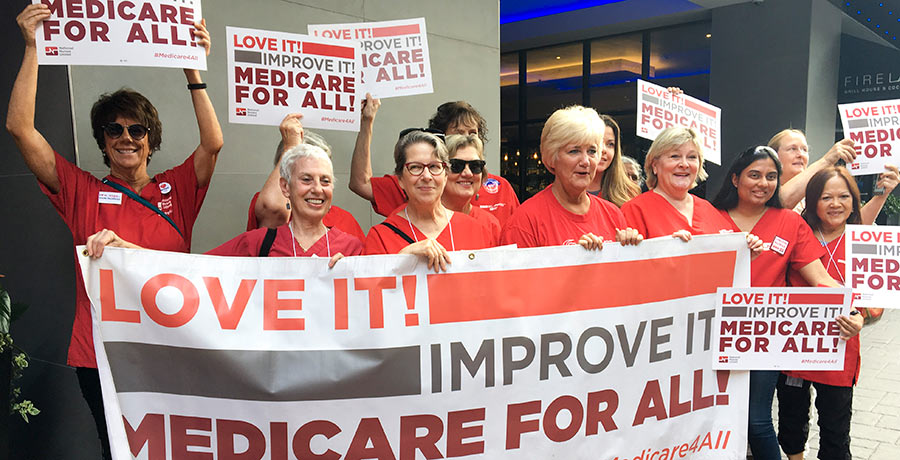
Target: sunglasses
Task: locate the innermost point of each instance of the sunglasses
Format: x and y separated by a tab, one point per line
114	130
457	166
416	169
436	132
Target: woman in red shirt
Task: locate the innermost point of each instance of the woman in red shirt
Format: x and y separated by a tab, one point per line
611	181
833	202
307	181
424	226
750	202
564	212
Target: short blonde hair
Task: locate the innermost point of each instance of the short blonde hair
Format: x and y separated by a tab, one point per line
455	142
572	125
775	141
670	139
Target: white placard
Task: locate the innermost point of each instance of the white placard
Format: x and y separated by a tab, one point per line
872	267
659	109
874	127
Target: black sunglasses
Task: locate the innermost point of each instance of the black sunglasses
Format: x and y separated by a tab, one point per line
114	130
475	166
436	132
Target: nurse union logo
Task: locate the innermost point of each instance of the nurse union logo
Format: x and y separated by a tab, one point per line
165	187
491	185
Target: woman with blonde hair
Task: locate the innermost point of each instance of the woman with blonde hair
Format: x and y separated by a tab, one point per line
611	181
564	212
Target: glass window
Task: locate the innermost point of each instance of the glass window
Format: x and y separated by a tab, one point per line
680	56
536	175
509	87
509	156
615	60
554	79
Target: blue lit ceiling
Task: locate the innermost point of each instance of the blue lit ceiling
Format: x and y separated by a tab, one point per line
520	10
881	17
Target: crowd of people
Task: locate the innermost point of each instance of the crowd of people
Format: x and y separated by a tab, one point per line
441	198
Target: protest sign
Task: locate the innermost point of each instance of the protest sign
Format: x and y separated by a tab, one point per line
875	128
150	33
506	355
779	328
394	55
872	269
272	74
659	109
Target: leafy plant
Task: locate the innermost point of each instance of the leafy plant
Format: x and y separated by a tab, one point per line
892	205
9	312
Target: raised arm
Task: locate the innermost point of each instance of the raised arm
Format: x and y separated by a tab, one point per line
271	206
888	180
210	132
794	190
36	152
361	163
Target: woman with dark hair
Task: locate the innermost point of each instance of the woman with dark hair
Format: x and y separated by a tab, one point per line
155	211
611	181
832	200
750	202
424	226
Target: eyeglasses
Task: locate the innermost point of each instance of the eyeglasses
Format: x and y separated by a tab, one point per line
416	169
114	130
475	166
436	132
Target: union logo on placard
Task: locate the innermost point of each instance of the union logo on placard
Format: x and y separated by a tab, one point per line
854	166
491	185
240	111
723	359
51	51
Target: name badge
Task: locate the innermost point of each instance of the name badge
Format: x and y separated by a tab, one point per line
779	245
110	198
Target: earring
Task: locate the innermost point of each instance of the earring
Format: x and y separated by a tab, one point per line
288	205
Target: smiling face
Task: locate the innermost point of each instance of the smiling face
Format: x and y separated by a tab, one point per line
575	165
126	154
464	184
676	170
426	188
310	189
757	182
793	152
835	204
608	151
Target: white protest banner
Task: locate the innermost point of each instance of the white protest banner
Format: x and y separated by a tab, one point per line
659	109
508	355
272	74
149	33
779	328
872	267
875	128
395	60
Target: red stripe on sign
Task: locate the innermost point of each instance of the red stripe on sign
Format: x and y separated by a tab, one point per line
816	299
327	50
544	291
395	30
693	105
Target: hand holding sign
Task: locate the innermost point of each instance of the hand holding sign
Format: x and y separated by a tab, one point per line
842	150
29	19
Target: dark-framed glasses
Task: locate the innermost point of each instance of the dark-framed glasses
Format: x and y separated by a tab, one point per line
114	130
475	166
436	132
416	169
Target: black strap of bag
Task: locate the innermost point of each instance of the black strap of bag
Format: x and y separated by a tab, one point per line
399	232
141	200
267	242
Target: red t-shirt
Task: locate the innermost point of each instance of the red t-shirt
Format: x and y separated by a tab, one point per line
489	221
788	242
542	221
833	260
87	206
496	196
653	216
247	244
462	232
335	218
